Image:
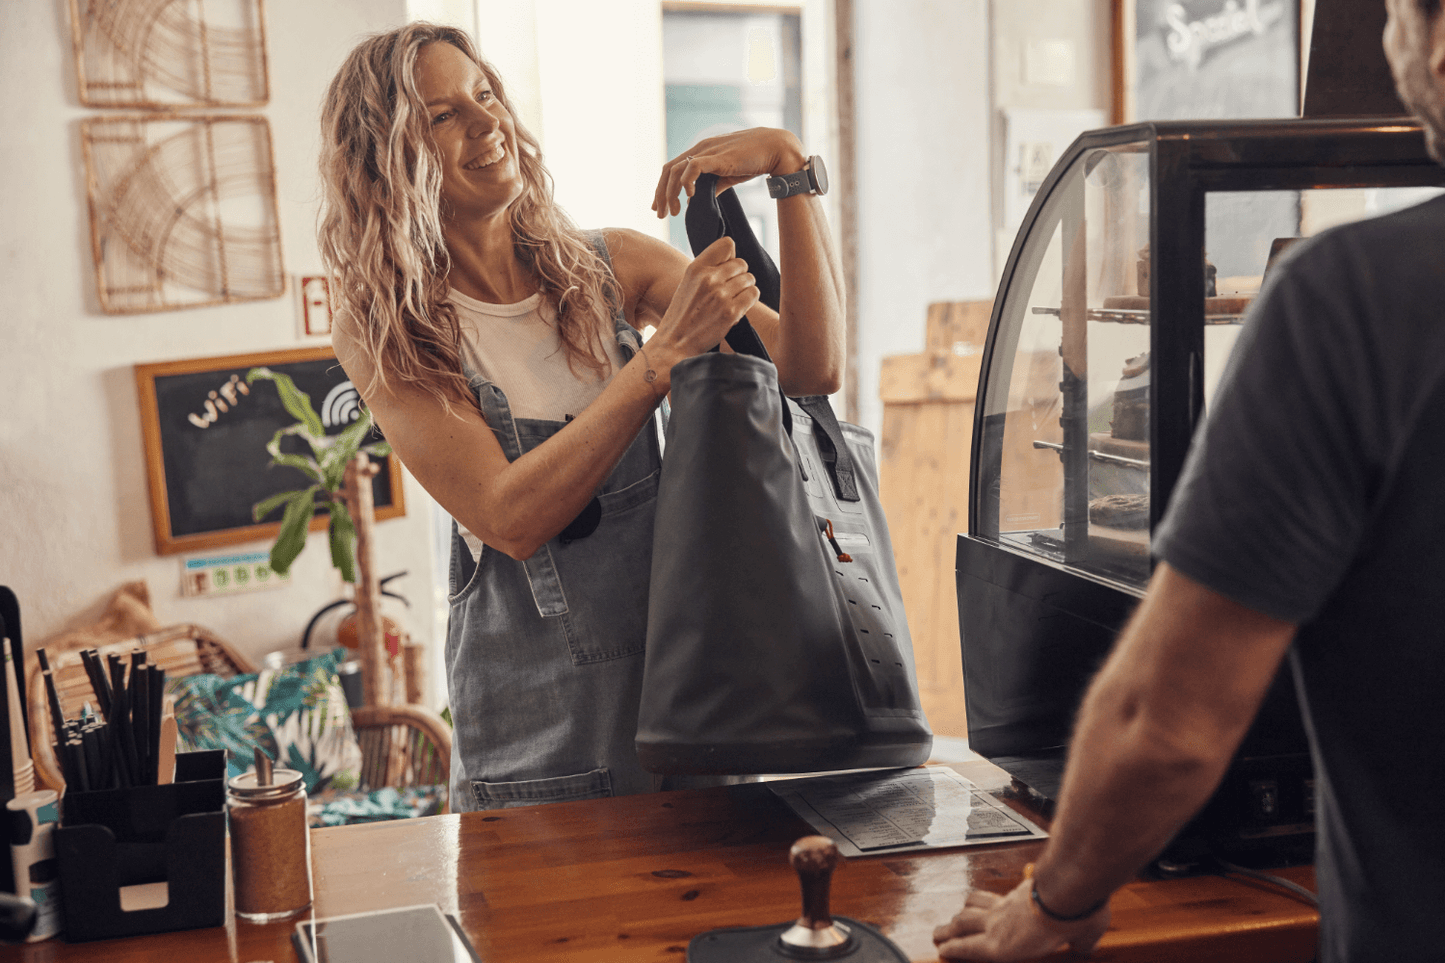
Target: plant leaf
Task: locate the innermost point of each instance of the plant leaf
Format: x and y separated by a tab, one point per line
343	540
343	449
294	399
292	538
268	505
378	449
301	462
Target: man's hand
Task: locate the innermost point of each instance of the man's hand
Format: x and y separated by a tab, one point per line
1007	928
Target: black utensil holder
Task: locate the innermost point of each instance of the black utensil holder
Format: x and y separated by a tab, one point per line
113	838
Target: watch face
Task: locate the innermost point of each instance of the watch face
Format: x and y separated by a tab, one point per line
818	174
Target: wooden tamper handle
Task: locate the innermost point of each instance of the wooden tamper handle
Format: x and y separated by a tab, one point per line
814	858
815	935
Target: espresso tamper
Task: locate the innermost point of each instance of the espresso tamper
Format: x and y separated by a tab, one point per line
816	935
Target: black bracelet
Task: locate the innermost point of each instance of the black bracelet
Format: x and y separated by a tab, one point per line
1059	917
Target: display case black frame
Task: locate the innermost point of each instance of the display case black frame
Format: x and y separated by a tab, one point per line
1034	630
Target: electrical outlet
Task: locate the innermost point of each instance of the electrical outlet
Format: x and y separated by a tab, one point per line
229	574
1264	799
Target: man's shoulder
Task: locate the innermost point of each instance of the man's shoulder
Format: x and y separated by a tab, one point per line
1382	239
1383	269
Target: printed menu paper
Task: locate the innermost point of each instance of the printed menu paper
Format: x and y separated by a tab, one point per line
899	810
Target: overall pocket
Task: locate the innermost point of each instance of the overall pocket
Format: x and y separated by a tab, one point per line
596	784
463	568
606	615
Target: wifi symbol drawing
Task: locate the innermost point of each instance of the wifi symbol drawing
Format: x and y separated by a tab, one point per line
341	407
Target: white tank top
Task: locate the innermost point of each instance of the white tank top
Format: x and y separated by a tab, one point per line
517	348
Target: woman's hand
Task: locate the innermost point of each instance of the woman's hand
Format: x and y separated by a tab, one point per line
735	158
714	292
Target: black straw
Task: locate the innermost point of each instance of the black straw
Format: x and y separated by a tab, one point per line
124	746
98	685
140	704
157	709
57	718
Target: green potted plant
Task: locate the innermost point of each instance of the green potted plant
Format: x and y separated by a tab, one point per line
325	466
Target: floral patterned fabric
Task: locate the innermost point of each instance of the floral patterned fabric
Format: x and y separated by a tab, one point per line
297	715
342	808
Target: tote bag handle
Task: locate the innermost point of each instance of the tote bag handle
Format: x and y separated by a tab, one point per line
711	215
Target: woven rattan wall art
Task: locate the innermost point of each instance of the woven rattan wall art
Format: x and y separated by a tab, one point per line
182	210
164	54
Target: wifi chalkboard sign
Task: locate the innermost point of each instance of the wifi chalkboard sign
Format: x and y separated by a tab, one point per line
206	431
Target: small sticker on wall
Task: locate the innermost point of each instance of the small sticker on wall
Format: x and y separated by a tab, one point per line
229	574
315	305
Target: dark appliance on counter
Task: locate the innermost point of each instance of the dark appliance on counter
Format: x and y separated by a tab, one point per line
12	680
1119	304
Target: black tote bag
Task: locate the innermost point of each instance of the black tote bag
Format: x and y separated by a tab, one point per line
776	640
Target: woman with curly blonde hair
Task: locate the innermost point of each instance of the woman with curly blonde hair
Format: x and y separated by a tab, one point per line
498	347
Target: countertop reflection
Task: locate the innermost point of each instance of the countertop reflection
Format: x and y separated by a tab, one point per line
636	878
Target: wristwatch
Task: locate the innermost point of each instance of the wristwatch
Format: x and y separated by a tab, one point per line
812	179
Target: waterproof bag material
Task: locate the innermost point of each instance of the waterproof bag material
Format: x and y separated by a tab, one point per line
776	640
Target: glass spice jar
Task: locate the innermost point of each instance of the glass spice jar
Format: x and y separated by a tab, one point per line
270	844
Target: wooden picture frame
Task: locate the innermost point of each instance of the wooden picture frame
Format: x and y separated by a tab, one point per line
205	432
1125	30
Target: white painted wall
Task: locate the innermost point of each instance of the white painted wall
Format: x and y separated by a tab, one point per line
585	77
506	37
1026	30
923	143
74	516
1048	56
932	78
600	72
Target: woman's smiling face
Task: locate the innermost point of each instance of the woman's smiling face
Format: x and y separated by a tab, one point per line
473	133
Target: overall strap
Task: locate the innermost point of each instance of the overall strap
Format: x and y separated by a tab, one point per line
541	568
628	337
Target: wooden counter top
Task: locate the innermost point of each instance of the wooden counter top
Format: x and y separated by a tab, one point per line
633	879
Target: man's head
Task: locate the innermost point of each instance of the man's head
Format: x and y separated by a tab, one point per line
1414	43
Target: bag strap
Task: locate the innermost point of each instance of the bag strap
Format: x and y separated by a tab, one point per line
836	456
711	215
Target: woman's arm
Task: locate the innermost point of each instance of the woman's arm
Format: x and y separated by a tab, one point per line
518	506
805	337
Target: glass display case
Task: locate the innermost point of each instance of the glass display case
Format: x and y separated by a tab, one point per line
1118	309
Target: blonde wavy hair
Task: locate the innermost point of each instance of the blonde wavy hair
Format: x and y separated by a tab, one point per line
380	227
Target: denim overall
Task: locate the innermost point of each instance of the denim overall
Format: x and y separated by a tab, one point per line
544	657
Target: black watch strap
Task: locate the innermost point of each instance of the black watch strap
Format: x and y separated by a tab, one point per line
812	179
789	184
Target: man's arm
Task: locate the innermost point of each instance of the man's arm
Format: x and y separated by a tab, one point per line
1156	731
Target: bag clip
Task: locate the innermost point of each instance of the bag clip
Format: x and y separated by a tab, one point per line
825	525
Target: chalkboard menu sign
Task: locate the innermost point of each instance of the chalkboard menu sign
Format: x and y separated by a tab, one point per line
206	432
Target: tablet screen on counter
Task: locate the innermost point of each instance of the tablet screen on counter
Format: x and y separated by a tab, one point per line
417	934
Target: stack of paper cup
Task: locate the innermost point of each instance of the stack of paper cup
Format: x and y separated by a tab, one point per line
32	853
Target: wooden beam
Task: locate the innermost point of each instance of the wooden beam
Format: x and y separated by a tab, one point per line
846	181
375	680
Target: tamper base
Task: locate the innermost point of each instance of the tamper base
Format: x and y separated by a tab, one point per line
751	944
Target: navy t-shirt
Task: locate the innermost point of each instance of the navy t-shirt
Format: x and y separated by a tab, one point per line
1315	493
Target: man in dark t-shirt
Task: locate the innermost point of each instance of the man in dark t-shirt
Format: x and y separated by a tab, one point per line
1310	520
